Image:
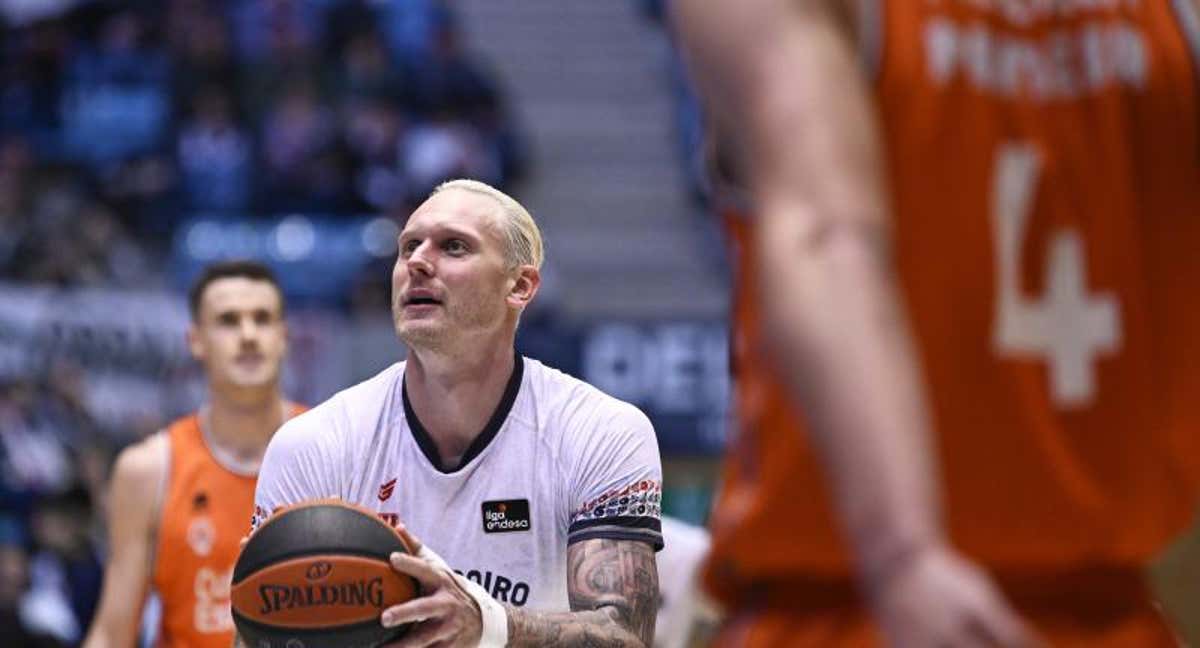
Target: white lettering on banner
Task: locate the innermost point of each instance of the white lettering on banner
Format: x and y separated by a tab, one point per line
676	368
212	612
1063	65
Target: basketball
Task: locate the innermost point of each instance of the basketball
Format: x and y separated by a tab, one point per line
317	575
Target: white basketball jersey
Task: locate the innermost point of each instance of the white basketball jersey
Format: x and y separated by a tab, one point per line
559	462
683	605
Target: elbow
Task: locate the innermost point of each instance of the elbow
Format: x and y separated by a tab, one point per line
815	241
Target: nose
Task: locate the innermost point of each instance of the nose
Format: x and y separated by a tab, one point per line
418	261
248	329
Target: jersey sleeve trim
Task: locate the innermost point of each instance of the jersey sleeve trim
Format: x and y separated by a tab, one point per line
644	529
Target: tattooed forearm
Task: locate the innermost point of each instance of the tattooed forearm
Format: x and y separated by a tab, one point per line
613	588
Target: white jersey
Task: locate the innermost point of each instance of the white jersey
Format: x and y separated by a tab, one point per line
685	613
559	462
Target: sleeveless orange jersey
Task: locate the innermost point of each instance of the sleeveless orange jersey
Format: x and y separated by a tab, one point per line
1044	163
205	513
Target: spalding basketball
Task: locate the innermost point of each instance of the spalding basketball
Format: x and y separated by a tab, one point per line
317	575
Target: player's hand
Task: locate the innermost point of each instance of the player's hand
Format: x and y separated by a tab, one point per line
444	615
939	599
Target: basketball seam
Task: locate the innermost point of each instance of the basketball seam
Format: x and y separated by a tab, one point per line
308	552
268	627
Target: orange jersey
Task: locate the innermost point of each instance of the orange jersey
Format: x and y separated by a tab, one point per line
1044	164
205	513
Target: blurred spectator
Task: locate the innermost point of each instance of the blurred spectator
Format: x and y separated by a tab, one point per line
373	126
469	132
117	101
65	570
364	67
276	44
407	27
33	453
450	81
296	131
275	29
215	155
31	67
444	149
19	623
201	43
15	167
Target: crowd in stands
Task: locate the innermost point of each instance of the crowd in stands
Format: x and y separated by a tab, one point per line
121	120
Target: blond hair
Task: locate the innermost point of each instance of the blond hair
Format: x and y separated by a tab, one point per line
523	239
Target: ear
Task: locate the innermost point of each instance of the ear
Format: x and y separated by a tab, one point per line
524	287
195	344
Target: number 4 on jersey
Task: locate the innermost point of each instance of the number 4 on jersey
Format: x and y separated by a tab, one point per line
1067	326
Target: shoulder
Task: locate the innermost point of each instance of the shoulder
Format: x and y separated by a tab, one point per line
144	463
337	416
317	441
577	405
138	471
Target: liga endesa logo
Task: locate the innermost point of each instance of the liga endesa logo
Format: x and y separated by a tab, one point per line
360	593
505	516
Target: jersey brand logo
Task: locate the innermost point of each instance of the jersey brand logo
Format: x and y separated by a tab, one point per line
385	490
506	516
201	534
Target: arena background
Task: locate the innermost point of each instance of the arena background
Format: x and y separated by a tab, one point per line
141	140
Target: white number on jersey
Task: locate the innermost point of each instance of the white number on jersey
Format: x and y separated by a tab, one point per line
1067	326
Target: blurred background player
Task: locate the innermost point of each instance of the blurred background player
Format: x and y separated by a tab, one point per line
1000	198
687	617
180	500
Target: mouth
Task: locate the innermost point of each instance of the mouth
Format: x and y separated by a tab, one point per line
418	299
249	358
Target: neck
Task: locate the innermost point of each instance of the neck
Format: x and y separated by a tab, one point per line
455	396
240	428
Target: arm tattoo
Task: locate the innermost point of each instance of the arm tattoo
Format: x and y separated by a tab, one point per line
613	588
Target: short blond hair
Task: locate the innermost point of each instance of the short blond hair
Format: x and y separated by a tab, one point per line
522	237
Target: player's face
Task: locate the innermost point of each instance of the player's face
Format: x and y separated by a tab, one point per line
240	336
450	280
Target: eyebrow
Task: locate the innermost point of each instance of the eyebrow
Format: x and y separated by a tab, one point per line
443	230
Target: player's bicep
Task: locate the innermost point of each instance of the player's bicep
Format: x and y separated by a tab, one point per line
618	577
137	478
784	81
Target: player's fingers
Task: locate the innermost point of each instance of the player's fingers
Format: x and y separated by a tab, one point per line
426	574
416	610
1000	626
414	545
426	635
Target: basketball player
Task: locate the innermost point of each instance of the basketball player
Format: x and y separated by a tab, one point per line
180	498
538	490
998	197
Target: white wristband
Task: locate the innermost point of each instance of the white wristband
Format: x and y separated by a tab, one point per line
491	612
